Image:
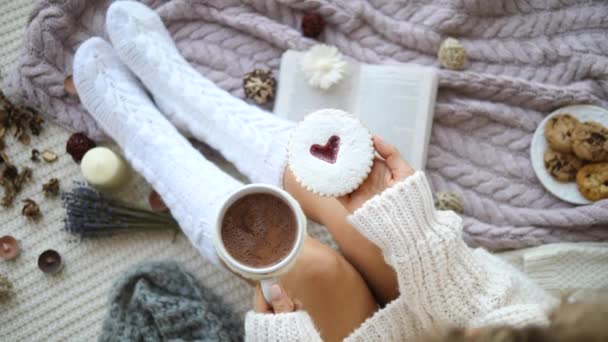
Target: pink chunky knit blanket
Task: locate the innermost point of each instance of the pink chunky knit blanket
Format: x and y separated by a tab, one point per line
526	58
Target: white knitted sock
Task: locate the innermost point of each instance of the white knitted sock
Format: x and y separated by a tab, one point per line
191	186
254	140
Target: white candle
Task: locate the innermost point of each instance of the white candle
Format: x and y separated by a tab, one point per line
104	169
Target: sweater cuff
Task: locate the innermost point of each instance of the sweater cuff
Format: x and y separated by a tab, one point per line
293	326
404	215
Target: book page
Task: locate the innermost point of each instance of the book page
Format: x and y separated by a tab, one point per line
296	98
397	104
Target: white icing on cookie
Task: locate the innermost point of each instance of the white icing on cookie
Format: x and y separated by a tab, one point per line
331	152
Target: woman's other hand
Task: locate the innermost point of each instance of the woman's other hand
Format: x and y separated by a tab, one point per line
386	171
281	303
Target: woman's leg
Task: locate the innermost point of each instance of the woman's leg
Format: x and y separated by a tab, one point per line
191	186
365	256
254	140
330	289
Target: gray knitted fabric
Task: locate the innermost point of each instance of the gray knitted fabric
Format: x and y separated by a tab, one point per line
526	59
159	301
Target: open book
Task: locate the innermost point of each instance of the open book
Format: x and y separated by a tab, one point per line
395	102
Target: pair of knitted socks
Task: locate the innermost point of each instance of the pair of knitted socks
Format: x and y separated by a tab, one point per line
106	78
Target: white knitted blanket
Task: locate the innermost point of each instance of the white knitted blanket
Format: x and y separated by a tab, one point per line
527	58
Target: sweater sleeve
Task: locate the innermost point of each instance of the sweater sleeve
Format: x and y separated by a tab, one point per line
293	326
441	278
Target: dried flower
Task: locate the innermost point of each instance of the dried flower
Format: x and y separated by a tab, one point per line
35	154
51	188
18	120
35	124
10	172
91	214
31	209
23	177
49	156
78	144
323	66
6	287
12	181
24	139
448	201
9	195
312	24
452	54
259	85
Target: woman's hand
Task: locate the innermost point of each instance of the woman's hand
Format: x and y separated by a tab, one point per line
386	171
281	303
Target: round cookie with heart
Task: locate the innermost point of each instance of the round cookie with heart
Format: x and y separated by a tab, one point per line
331	152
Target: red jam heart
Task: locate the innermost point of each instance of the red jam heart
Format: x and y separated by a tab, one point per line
328	152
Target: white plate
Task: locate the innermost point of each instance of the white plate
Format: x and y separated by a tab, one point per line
565	191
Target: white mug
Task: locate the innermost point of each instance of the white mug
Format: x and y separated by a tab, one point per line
268	275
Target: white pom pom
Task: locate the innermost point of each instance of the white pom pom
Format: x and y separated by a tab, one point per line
323	66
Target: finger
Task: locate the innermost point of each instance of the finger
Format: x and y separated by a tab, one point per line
395	162
385	150
259	303
298	305
281	303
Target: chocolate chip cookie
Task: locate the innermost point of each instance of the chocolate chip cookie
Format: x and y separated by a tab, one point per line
562	166
558	132
592	181
590	141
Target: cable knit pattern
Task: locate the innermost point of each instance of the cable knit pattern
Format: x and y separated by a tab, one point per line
191	186
526	59
254	140
160	301
294	326
442	281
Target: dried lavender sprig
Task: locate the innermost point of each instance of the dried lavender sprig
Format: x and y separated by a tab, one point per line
87	221
82	200
104	207
86	226
102	230
97	201
125	214
92	214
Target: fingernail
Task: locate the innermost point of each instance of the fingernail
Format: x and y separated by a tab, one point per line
275	292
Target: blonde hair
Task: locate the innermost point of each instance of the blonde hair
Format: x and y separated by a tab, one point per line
570	322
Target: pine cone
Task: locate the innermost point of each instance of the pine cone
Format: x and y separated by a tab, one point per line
452	54
448	201
260	85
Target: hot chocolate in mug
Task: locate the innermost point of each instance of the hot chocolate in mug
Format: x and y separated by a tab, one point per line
267	275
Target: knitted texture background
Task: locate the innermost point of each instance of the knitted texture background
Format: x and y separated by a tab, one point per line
527	58
160	301
13	19
71	305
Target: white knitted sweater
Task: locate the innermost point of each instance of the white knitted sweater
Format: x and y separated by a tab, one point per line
442	281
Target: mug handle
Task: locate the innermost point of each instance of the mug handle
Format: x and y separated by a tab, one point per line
265	284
